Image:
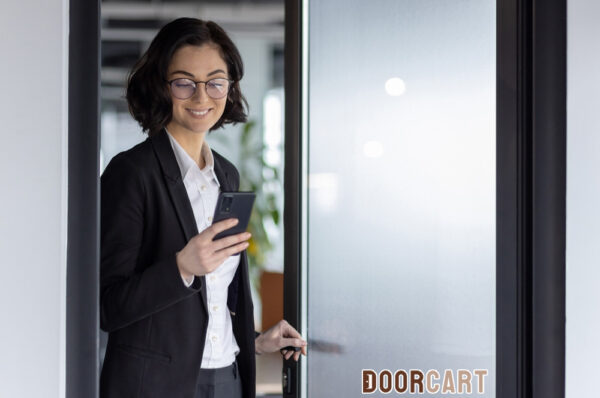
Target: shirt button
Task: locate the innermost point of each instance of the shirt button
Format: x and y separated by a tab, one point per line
214	338
216	308
203	188
209	218
212	277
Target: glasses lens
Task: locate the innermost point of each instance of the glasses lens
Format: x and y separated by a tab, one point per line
217	88
183	88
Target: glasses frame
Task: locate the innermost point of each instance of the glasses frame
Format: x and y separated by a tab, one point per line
196	82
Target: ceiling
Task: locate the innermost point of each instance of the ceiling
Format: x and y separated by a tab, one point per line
127	27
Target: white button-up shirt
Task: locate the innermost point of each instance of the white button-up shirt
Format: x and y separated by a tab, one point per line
202	186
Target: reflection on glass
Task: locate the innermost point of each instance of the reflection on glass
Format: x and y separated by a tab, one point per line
395	86
401	208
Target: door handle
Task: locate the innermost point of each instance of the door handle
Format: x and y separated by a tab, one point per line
286	380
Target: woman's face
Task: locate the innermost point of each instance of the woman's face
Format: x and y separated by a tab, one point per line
200	112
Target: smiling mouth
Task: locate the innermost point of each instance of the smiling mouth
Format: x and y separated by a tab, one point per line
198	113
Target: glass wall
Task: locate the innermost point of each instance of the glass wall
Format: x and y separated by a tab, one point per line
583	196
401	190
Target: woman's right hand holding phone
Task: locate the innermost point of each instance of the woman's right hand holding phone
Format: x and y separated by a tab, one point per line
203	255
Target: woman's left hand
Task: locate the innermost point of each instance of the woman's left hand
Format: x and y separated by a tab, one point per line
279	336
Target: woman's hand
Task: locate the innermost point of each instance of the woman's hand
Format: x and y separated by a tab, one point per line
203	255
279	336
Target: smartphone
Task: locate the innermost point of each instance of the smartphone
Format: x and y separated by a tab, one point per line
234	205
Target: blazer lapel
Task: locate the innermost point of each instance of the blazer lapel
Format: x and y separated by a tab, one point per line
177	192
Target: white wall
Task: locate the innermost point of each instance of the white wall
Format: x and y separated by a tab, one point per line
33	200
583	198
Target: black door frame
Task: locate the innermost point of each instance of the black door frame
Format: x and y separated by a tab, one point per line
531	195
292	215
83	200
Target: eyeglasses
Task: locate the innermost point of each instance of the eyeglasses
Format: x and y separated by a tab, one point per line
186	88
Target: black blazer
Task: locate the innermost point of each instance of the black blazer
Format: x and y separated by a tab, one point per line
157	325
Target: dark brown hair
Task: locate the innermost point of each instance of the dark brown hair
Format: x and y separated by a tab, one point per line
147	91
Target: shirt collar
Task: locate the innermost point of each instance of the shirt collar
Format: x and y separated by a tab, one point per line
186	163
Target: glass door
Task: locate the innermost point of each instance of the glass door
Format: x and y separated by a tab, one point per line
397	283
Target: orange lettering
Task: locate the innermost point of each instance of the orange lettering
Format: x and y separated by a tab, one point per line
464	379
416	378
385	381
480	373
430	384
369	381
448	384
397	376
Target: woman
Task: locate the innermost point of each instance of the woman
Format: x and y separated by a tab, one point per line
177	304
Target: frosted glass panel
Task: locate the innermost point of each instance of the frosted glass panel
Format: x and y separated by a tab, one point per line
583	196
401	190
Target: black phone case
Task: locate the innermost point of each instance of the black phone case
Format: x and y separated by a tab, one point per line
234	205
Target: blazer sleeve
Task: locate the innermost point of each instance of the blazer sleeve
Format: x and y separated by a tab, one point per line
130	291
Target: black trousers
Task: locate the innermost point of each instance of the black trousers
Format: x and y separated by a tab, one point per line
219	383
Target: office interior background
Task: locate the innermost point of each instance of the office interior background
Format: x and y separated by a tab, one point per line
426	68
